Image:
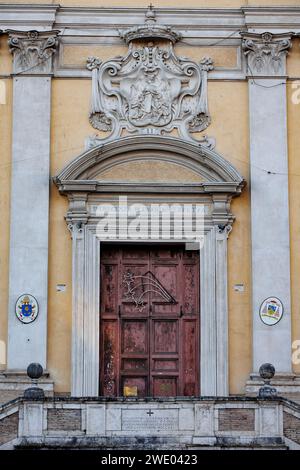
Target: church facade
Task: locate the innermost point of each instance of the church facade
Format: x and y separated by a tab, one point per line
150	218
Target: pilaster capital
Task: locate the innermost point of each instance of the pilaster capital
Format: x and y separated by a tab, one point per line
266	53
76	228
32	51
223	231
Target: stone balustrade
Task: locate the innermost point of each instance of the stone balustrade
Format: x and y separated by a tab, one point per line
231	422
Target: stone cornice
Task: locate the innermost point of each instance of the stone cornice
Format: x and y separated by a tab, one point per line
25	17
32	16
195	22
67	187
270	18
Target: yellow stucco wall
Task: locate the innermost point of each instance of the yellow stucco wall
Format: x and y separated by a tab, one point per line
69	127
228	103
230	128
293	106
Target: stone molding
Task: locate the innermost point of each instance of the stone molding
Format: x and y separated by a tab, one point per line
266	53
32	51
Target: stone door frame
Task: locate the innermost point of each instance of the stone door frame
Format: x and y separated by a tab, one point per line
213	307
222	182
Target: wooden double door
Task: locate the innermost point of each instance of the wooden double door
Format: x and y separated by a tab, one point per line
149	321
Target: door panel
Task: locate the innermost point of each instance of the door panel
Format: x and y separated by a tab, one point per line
109	294
165	387
149	321
110	357
164	365
134	337
141	383
189	357
165	336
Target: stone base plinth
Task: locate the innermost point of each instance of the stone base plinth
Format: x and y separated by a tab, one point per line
14	383
287	385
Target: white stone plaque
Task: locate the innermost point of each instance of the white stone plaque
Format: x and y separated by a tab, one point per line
149	420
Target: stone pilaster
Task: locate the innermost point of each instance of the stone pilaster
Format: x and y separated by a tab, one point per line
266	63
222	219
33	53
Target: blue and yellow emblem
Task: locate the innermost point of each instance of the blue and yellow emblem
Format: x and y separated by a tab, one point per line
26	308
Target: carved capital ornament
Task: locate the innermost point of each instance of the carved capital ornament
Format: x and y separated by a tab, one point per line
266	53
33	50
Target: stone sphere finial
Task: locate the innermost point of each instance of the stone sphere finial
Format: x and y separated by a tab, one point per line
267	371
35	370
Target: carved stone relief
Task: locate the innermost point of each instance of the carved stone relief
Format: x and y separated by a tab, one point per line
150	90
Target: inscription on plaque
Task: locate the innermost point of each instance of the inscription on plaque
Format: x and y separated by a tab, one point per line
145	421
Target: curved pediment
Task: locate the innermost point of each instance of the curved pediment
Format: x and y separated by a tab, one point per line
150	160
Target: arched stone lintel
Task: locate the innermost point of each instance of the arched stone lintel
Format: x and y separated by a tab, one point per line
216	172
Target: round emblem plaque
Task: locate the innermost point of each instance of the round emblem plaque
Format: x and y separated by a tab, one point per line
27	308
271	311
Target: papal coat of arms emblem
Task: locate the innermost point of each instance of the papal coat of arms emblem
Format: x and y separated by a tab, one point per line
27	308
